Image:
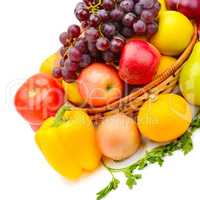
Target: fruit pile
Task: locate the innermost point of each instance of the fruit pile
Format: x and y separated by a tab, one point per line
120	46
105	26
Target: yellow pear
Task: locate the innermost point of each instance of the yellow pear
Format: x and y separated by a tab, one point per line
163	6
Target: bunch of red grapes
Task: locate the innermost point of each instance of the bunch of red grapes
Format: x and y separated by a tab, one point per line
105	27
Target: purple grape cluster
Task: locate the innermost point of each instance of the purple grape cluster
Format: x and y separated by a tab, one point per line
105	25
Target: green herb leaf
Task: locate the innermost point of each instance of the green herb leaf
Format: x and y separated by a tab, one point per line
113	185
186	142
155	156
132	179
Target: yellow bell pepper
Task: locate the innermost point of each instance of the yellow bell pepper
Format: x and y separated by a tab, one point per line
68	142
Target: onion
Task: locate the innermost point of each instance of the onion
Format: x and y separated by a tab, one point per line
118	137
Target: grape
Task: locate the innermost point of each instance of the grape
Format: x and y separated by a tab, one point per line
108	56
74	54
62	62
74	66
68	76
88	2
127	5
74	31
64	71
117	44
93	49
62	51
82	14
109	30
103	15
138	9
84	24
152	28
103	44
79	6
127	32
64	38
108	4
147	16
157	7
85	60
91	34
129	19
139	27
81	45
71	66
94	20
116	14
57	72
147	3
120	37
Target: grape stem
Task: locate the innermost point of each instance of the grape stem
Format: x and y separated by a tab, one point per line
94	8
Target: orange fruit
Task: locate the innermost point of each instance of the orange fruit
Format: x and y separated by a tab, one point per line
166	62
164	118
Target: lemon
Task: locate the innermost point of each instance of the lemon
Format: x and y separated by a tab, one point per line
72	93
164	118
48	65
174	33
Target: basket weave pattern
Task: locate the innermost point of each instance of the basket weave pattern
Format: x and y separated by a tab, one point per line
165	83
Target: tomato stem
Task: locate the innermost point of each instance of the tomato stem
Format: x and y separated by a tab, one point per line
32	93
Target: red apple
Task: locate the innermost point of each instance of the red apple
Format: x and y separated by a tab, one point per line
139	62
99	84
172	4
35	127
190	8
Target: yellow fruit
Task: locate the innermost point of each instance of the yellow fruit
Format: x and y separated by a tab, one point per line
49	64
72	93
163	6
166	62
164	118
174	33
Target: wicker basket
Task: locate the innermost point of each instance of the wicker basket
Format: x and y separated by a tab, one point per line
165	83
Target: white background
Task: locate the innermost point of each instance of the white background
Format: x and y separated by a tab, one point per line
29	31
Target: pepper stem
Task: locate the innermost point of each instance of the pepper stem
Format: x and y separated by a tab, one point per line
59	115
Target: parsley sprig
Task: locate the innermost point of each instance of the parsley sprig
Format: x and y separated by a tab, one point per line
154	156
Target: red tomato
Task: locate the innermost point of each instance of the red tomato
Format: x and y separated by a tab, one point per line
35	127
39	98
